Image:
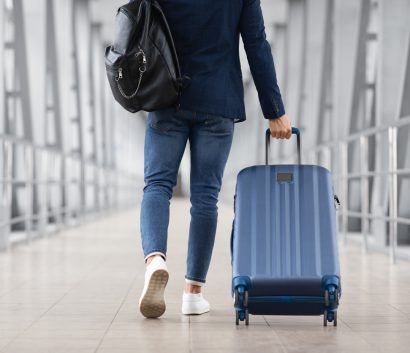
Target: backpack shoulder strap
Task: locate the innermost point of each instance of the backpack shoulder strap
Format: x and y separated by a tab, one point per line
157	6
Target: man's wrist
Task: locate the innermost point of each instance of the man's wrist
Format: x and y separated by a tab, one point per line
276	118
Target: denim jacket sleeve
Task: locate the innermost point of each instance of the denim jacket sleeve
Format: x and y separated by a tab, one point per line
259	54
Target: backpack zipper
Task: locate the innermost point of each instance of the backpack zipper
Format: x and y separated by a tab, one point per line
141	68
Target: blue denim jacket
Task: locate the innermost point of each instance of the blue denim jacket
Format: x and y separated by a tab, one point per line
206	35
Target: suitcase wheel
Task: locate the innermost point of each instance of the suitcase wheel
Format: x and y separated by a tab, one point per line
245	299
236	297
241	296
241	315
332	294
337	296
330	316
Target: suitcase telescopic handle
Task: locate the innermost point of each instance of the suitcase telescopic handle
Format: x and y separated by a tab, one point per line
295	131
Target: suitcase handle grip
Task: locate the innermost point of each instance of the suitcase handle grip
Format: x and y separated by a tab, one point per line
295	131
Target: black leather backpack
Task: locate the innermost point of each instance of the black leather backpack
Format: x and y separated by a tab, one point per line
142	64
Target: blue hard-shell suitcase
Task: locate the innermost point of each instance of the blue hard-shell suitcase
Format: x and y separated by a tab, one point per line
284	250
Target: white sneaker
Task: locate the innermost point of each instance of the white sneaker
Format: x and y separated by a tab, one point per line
194	304
152	302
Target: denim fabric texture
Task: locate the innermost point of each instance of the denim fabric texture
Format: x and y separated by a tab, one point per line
206	35
166	136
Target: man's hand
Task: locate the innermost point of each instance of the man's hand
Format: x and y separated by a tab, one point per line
280	128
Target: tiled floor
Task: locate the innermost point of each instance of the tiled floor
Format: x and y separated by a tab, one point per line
77	292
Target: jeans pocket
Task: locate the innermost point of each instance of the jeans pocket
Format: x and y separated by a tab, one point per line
219	124
163	120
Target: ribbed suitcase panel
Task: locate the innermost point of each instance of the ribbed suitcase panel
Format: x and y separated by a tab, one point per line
284	229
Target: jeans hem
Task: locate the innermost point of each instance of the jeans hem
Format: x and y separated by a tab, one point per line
155	252
194	281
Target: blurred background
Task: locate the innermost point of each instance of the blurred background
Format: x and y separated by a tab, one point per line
69	153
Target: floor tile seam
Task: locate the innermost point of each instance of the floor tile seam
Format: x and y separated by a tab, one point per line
1	348
375	347
362	338
116	314
399	311
277	336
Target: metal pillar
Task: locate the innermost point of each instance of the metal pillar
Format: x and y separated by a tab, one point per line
364	104
108	131
317	90
352	89
295	58
77	148
324	129
393	39
96	119
6	149
364	187
16	80
403	155
2	66
343	187
3	204
53	130
346	24
356	115
393	193
53	134
405	102
80	88
17	104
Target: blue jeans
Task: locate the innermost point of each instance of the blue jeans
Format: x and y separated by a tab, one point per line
210	138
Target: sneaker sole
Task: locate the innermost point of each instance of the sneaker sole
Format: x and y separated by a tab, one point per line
194	311
152	303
